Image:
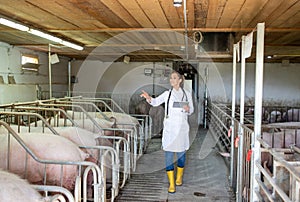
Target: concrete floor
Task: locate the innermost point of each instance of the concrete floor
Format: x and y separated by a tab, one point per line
205	176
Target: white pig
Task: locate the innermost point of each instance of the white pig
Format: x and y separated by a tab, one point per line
13	188
46	147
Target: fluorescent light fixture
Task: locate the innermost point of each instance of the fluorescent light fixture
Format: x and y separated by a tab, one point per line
213	55
55	39
44	35
39	33
177	3
13	25
71	45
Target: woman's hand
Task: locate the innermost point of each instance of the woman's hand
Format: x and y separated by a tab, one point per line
186	108
146	96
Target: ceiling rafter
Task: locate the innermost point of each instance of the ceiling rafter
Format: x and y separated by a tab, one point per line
156	24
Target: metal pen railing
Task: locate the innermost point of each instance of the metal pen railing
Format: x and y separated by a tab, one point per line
46	127
99	187
141	127
132	132
241	153
63	193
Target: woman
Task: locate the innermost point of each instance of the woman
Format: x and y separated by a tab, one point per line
175	139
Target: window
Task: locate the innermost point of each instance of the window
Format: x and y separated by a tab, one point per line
30	63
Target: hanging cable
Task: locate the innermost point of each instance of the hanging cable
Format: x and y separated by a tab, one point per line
197	37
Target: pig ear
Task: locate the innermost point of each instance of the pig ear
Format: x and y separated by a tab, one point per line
83	154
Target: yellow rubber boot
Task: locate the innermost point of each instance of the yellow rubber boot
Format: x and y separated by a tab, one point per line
171	181
179	175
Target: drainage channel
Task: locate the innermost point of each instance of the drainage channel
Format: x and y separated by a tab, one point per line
144	187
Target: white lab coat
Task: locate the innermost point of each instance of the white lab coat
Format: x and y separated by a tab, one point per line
176	127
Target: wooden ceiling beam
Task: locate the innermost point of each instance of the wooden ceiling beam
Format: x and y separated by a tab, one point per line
296	29
149	45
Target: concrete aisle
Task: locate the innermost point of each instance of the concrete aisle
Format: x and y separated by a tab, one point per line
205	176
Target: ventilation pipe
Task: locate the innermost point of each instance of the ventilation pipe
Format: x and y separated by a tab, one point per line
185	31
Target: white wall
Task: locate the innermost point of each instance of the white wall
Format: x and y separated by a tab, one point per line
10	64
281	83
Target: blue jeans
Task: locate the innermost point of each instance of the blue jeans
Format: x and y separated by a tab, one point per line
169	159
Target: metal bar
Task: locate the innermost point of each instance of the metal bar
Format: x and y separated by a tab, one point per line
62	190
69	77
50	71
205	97
45	123
265	190
93	106
114	163
272	182
109	99
185	31
242	104
233	113
256	153
24	103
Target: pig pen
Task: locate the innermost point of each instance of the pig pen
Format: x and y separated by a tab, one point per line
270	113
13	188
42	170
140	124
42	125
107	108
282	184
90	121
235	142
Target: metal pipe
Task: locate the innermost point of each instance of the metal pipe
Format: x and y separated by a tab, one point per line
92	105
116	106
50	71
69	78
153	80
115	161
272	182
235	46
243	67
25	103
185	31
257	110
205	97
240	135
61	190
99	184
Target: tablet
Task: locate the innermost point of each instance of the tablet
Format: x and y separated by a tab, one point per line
179	104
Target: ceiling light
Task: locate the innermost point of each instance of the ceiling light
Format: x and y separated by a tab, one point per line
13	25
39	33
177	3
44	35
269	56
71	45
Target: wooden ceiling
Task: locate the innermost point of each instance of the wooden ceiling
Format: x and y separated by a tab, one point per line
154	30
